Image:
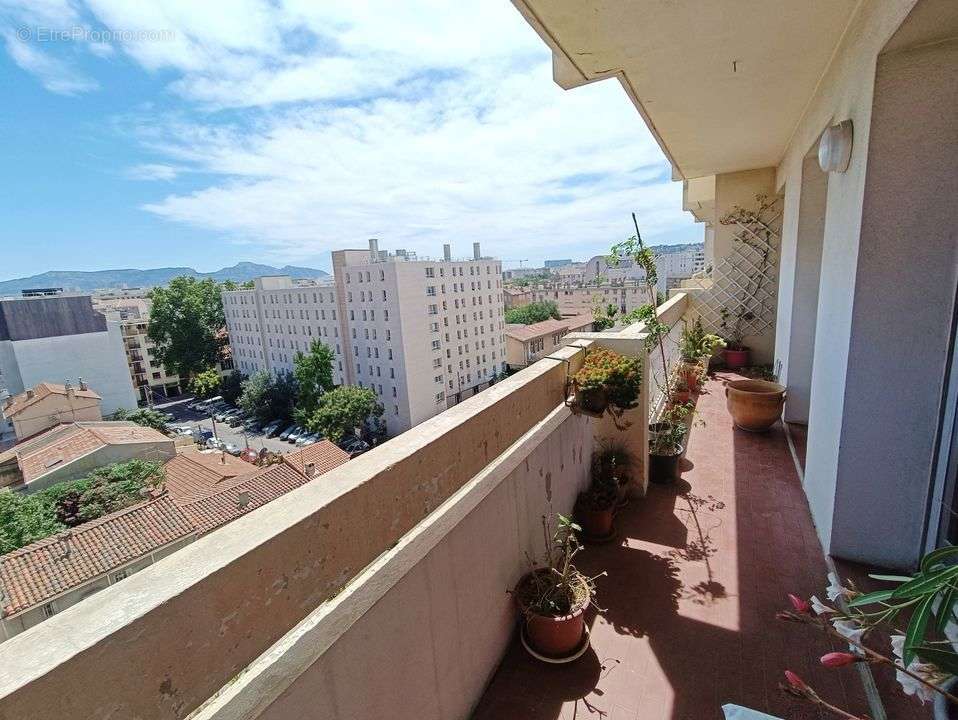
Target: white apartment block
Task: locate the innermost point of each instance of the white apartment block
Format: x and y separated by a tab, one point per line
423	334
573	300
675	266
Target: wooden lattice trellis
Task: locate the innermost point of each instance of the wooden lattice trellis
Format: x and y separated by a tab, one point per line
739	298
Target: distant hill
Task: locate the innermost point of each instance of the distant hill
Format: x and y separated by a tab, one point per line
100	279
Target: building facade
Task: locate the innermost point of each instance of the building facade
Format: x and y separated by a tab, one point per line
58	338
422	334
153	382
573	300
527	343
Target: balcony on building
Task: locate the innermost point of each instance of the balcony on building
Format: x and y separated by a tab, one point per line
381	591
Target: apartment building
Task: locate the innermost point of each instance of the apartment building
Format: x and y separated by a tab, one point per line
674	267
423	334
131	310
58	337
573	300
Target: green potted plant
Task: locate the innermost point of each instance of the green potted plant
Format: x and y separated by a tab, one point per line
595	508
614	461
607	381
697	348
736	353
666	438
552	599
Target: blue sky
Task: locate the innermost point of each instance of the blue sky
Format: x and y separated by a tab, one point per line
180	133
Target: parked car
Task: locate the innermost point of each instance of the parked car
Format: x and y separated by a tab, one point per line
354	447
202	405
286	433
232	449
253	425
307	439
213	444
273	429
202	434
236	419
225	413
295	435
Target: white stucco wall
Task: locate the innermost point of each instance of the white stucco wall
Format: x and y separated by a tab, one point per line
845	92
98	358
450	612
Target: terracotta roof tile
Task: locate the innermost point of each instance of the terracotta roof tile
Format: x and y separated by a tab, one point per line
193	475
39	572
20	402
324	454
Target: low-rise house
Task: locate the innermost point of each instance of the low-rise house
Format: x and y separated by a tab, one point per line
514	297
48	576
527	343
48	404
72	450
201	492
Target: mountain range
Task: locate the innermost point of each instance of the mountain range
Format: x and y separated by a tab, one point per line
102	279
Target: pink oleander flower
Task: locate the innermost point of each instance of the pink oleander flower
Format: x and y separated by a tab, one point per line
838	659
799	604
795	681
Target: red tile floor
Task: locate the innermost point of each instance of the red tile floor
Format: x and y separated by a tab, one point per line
688	607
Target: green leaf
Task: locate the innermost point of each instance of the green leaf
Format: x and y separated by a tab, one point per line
890	578
947	660
915	633
872	597
925	583
937	556
944	609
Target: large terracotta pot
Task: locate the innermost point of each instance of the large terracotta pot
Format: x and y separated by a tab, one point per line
755	405
735	359
595	523
553	637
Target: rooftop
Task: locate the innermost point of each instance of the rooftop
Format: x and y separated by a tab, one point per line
530	332
39	572
18	403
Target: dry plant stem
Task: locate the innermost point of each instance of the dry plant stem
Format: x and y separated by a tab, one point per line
835	710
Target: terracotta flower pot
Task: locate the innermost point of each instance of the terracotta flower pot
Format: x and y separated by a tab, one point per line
755	405
680	397
735	358
690	374
553	637
595	523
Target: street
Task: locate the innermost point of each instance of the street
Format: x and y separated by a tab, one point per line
235	436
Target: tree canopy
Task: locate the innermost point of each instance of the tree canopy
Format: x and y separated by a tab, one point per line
186	324
313	371
342	409
267	396
146	417
533	313
27	518
206	384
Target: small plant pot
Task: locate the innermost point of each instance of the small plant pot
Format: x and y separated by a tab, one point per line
755	405
593	400
735	359
596	524
664	469
691	374
680	397
553	637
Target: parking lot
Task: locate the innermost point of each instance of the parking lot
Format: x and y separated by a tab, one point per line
235	436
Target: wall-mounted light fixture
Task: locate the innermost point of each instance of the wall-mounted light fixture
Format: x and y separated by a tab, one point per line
835	147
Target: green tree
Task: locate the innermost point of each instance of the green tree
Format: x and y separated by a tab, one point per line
146	417
342	409
313	371
206	383
533	313
268	397
186	325
231	386
27	518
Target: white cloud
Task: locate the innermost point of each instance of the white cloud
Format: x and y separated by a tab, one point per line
316	125
153	171
57	76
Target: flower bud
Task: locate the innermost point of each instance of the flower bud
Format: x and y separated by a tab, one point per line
800	605
795	681
838	659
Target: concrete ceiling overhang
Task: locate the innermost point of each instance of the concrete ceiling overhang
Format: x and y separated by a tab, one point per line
722	84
